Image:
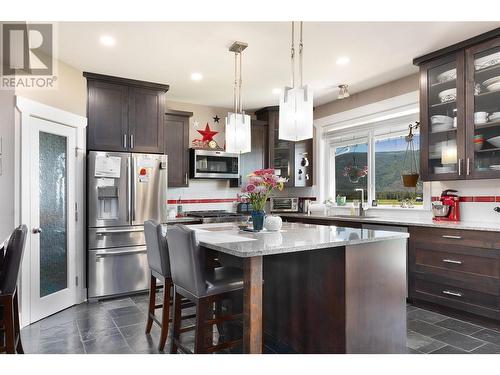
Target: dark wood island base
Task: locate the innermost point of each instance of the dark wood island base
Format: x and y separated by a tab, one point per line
347	299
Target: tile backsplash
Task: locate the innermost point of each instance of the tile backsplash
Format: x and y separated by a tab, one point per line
475	209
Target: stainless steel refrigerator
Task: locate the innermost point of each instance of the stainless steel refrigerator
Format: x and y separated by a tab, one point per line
123	191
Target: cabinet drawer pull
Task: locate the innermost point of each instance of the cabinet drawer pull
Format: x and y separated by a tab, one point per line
451	237
451	293
452	261
124	140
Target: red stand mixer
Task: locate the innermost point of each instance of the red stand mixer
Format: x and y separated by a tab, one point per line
448	206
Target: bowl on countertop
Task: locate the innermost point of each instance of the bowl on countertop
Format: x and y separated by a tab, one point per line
439	209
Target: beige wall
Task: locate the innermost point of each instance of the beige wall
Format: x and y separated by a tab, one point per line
7	160
70	94
202	114
386	91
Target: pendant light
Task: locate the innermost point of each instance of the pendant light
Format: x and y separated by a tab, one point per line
238	131
296	103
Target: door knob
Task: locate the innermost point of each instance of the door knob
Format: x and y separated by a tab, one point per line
36	230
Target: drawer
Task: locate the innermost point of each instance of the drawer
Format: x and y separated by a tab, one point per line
487	240
102	238
456	297
457	261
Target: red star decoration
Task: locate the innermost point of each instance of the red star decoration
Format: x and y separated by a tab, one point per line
207	134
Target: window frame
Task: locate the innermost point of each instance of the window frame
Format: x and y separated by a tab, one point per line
371	136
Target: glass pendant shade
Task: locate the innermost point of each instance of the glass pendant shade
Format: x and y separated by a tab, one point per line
296	114
238	133
449	152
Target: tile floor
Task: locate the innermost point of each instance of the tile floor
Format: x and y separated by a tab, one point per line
117	326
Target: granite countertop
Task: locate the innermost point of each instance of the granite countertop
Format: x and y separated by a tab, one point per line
183	219
293	237
468	225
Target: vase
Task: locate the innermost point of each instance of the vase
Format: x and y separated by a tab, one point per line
273	223
258	220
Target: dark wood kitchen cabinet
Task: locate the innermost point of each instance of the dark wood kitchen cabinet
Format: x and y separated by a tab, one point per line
460	110
176	143
124	115
458	269
258	157
291	160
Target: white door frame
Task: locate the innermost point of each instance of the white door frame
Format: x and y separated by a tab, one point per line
30	109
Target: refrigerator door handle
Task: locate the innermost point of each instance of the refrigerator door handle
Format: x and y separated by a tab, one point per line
134	187
129	190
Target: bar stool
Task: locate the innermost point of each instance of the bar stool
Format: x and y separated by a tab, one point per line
10	333
202	286
159	265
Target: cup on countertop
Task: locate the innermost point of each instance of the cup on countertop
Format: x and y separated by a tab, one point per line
480	117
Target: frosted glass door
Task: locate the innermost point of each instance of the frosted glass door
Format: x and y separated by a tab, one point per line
53	196
53	222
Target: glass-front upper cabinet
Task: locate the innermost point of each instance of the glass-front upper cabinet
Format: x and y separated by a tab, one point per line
442	118
483	110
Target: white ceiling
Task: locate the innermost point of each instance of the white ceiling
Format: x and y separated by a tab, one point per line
169	52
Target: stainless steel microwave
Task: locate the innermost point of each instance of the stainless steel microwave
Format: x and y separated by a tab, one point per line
284	204
214	164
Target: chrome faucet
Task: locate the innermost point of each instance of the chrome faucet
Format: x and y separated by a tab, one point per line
361	210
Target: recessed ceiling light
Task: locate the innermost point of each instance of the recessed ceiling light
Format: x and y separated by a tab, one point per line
343	60
107	40
276	91
196	76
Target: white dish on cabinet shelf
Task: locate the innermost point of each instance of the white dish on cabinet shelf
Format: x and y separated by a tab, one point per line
449	95
487	61
449	75
495	141
441	119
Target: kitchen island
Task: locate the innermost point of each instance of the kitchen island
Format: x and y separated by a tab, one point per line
327	289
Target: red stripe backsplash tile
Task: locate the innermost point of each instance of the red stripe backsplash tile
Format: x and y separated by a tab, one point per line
206	200
484	199
478	199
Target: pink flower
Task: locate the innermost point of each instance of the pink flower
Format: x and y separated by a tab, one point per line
250	188
260	189
261	172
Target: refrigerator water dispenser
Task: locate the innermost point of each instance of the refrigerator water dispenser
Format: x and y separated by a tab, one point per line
108	202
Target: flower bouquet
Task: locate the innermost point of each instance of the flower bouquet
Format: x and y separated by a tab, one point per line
256	191
354	173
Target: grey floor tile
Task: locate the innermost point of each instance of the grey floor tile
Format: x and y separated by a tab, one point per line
488	335
412	351
68	345
459	341
95	323
425	316
57	333
116	303
424	328
114	344
449	350
417	341
127	310
459	326
62	317
487	348
127	320
139	330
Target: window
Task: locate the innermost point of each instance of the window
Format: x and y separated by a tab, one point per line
373	158
389	160
351	168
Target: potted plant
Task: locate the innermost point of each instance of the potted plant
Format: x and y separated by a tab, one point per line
354	173
410	174
256	191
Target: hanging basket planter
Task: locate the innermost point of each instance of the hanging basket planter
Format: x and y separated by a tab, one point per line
410	174
355	173
410	180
